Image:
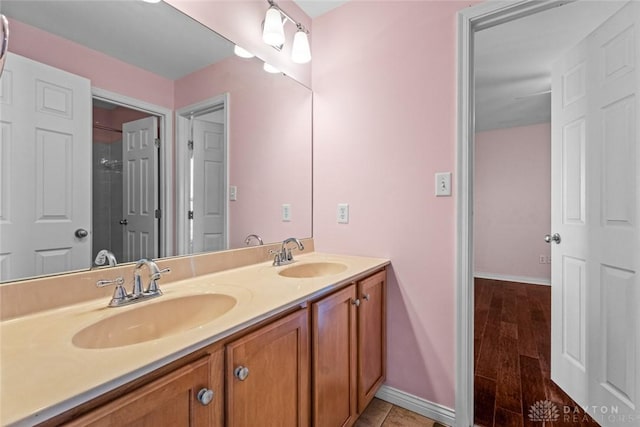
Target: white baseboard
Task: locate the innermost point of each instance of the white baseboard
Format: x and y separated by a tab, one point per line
418	405
521	279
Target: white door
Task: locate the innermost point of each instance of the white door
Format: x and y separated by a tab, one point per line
209	183
45	176
140	184
595	347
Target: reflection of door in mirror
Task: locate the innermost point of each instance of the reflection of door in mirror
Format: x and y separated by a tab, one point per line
49	172
204	133
125	189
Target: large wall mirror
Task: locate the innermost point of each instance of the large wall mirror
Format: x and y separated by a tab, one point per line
131	127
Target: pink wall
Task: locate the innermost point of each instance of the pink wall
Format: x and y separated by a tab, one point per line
270	146
384	81
241	22
513	202
104	71
114	119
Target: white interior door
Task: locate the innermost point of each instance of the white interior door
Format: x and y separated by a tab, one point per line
209	183
595	347
140	183
45	176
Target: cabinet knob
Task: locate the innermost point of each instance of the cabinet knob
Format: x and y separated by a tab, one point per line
355	302
367	297
241	373
205	396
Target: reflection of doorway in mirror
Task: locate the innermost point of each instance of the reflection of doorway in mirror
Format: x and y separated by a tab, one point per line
111	224
202	177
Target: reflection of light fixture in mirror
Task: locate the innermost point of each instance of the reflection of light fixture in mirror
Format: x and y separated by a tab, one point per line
152	1
273	33
242	53
270	68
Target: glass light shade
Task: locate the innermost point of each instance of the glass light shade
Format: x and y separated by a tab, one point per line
300	51
273	31
270	68
242	53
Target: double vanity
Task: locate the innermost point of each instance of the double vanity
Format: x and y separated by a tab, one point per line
295	344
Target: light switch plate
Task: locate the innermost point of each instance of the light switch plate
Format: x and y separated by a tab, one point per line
343	213
233	193
443	184
286	212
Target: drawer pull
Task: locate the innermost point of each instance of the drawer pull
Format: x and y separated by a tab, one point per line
205	396
367	297
356	302
241	373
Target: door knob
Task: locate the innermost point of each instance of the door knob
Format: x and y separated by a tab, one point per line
124	222
81	233
241	373
555	238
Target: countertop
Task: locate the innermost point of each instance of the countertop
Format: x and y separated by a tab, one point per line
43	374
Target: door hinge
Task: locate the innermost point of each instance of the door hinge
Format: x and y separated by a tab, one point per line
157	142
190	214
158	214
190	145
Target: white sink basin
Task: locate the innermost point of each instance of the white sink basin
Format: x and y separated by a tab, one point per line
154	320
313	269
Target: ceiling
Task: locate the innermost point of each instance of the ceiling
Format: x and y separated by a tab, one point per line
168	43
315	8
513	62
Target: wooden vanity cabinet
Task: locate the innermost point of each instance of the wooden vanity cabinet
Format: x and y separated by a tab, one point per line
267	375
170	400
348	341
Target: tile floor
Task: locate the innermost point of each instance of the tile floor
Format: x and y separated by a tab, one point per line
383	414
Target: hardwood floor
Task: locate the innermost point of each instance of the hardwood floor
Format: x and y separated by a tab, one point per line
383	414
512	351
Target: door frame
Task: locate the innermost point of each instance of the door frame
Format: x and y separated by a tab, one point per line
182	155
165	192
471	20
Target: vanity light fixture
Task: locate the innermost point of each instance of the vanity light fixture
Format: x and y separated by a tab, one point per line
152	1
242	53
273	33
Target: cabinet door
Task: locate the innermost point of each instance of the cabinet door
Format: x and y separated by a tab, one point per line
274	388
334	359
371	337
170	401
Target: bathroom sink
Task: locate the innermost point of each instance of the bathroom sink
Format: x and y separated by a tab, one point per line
157	319
313	269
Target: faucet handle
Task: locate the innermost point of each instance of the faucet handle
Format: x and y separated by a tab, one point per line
119	293
153	285
118	281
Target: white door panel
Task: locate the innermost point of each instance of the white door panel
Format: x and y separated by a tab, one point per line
140	183
595	297
45	151
209	184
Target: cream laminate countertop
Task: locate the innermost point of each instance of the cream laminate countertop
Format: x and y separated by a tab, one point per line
42	373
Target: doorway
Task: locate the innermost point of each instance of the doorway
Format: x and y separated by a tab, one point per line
203	176
120	123
481	17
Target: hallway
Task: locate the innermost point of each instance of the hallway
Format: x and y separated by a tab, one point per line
512	352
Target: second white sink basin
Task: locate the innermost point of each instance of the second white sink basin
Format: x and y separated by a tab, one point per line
153	320
313	269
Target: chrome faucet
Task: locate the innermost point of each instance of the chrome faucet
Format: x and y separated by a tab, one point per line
253	236
105	256
284	256
138	293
